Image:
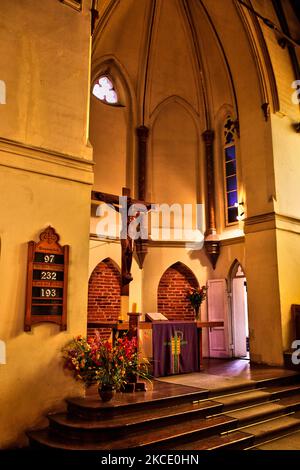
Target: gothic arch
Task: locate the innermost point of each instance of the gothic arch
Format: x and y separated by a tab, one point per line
232	272
172	292
104	294
175	130
109	65
181	101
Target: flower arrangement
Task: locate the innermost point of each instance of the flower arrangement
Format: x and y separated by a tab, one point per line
94	361
196	295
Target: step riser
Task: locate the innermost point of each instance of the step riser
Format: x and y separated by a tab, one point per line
284	393
238	445
280	381
245	403
170	442
164	431
228	391
103	434
94	414
276	433
248	421
292	407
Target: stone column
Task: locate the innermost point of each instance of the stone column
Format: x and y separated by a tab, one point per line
212	243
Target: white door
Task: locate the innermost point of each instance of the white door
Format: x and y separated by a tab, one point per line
217	306
239	314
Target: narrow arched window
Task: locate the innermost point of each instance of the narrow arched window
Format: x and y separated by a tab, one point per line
231	183
104	90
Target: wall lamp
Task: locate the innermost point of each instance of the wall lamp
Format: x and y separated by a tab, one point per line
241	215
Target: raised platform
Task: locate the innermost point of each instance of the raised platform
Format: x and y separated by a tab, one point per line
176	416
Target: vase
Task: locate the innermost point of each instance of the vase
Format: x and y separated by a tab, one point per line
197	312
128	387
106	392
131	378
140	387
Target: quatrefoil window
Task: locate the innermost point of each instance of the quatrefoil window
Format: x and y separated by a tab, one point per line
104	90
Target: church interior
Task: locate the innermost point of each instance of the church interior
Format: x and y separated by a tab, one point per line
179	119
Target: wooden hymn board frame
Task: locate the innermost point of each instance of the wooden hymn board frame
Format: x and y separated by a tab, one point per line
47	281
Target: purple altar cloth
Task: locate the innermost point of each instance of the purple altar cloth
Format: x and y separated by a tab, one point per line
175	348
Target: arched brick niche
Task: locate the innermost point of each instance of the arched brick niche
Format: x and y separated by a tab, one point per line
172	292
104	298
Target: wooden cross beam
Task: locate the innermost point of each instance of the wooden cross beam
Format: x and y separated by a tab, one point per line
127	243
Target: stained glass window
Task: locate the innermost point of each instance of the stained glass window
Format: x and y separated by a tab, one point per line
103	89
231	184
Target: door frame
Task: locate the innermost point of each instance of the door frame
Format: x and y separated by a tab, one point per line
232	275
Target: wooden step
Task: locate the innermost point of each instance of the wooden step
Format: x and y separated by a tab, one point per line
236	440
237	400
289	441
116	426
257	413
170	435
291	403
278	426
91	407
230	389
288	377
283	390
171	416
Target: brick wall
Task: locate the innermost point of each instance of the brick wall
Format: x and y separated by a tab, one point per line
172	292
104	299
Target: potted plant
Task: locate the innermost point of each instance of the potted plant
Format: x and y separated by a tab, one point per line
196	295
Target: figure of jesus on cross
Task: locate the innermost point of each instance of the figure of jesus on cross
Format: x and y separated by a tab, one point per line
134	229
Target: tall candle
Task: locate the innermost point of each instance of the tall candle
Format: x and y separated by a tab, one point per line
133	310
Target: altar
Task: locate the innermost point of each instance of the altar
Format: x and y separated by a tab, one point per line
176	346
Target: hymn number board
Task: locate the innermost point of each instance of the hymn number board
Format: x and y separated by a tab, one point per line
47	278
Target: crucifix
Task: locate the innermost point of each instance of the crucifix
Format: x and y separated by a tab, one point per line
130	213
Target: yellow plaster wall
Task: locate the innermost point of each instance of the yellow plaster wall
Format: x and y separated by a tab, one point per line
288	246
263	296
286	148
45	178
286	145
44	50
33	381
108	137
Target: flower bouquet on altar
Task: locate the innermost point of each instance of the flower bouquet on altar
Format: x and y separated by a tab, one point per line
94	361
196	295
134	367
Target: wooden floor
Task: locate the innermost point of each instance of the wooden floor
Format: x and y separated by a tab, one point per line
242	368
223	375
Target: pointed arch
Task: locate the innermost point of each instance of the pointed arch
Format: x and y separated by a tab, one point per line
233	271
110	66
104	294
175	132
181	101
172	291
